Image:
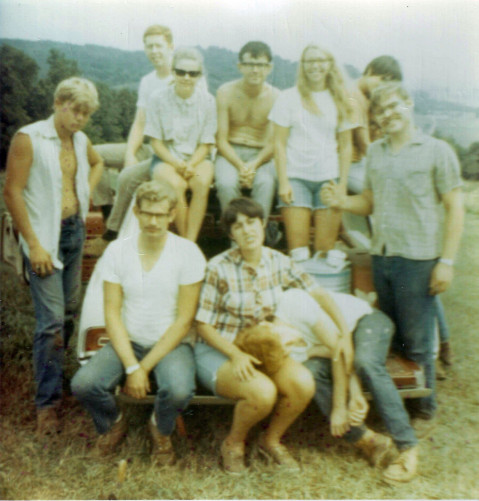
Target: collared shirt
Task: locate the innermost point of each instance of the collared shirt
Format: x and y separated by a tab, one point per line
182	124
408	213
236	295
148	85
43	191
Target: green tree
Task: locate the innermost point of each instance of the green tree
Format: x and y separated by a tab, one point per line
17	76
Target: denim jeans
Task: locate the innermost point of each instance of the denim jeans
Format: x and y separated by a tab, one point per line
56	299
371	339
227	180
402	286
95	382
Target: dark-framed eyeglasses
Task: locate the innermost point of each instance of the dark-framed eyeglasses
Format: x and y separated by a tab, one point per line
250	65
182	73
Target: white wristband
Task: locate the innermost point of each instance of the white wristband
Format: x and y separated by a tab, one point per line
444	260
132	369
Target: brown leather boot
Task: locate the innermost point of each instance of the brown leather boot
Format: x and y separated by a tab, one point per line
107	442
378	449
162	452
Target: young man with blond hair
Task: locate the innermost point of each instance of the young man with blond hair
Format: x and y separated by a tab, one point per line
51	169
151	284
413	190
135	156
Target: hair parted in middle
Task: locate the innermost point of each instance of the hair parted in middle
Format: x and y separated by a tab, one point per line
334	83
156	191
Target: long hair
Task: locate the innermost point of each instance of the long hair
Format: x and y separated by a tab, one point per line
334	83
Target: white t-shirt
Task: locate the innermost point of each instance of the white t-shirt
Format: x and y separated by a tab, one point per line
148	84
150	298
297	308
312	149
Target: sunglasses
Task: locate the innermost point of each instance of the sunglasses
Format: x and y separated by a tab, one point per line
182	73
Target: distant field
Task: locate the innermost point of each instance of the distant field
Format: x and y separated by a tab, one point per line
464	130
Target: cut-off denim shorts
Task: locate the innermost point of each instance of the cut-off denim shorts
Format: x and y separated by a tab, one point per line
306	194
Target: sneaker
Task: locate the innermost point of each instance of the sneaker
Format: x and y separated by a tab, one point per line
378	449
445	353
404	468
233	461
280	455
107	442
162	453
95	247
47	422
423	427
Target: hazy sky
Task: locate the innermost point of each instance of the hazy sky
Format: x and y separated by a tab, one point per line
437	41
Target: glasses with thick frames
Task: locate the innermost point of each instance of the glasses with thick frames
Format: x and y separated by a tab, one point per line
154	215
182	73
260	66
318	60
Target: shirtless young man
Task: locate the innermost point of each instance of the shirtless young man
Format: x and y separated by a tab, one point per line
51	169
158	44
244	138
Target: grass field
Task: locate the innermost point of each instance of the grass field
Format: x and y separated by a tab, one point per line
449	459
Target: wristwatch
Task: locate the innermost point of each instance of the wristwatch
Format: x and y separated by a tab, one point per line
444	260
131	369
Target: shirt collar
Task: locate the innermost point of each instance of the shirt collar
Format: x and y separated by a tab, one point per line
184	103
418	137
49	131
236	257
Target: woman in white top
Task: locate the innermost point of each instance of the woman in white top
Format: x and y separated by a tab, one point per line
181	121
312	146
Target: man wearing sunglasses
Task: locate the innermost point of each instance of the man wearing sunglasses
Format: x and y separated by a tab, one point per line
244	137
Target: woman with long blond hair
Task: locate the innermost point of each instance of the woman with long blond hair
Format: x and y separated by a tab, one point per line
312	147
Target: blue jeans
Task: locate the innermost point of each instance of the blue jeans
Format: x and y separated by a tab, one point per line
402	286
56	299
371	339
227	180
441	321
95	382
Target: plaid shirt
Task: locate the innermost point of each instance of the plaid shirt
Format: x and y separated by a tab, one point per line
408	214
236	295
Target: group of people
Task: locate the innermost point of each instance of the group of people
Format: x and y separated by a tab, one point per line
269	336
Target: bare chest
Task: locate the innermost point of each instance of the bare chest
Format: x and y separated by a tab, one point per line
250	112
68	162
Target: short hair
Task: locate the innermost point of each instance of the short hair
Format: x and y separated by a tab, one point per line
158	29
385	66
241	205
188	53
156	191
78	90
256	49
388	89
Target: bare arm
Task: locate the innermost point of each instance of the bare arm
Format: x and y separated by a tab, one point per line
443	274
243	363
96	166
281	135
339	413
334	196
19	163
345	153
135	137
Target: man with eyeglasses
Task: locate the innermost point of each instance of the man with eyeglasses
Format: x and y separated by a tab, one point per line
244	138
151	285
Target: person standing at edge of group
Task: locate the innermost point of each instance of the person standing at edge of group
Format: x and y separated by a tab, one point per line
244	139
312	145
151	286
51	170
181	122
158	45
413	190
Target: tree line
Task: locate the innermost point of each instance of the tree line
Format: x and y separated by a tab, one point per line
27	97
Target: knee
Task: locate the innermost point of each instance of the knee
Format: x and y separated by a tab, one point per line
301	387
82	386
178	392
262	395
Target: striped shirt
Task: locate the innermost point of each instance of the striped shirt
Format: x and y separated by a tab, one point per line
236	295
407	186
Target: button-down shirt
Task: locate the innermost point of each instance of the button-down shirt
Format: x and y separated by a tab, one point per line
236	295
43	191
407	186
182	124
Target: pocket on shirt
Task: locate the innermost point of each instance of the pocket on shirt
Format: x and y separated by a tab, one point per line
240	304
418	183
